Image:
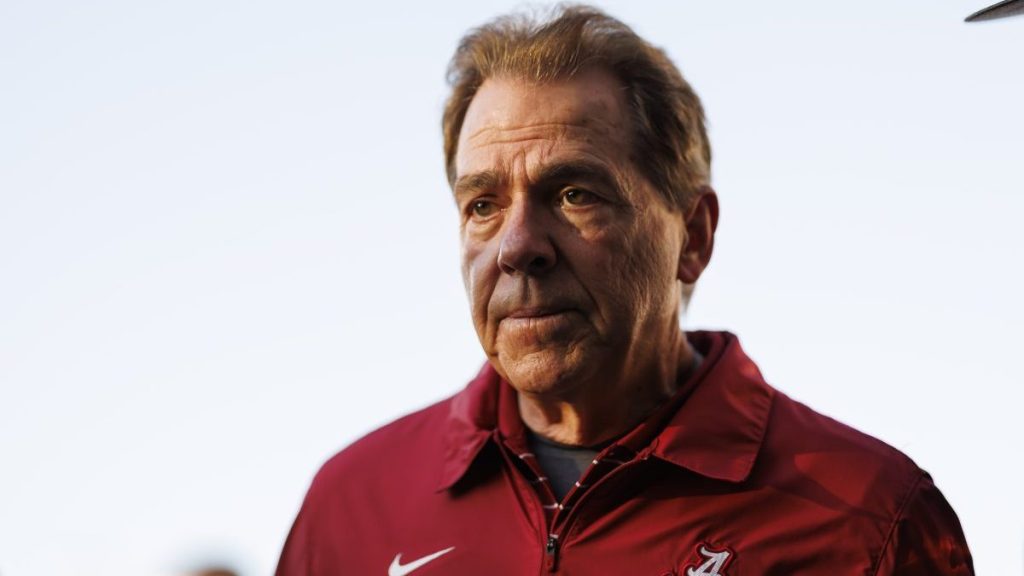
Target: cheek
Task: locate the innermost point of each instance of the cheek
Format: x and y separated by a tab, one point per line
479	277
638	271
653	265
613	245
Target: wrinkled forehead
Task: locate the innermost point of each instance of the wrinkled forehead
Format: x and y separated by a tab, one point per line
510	118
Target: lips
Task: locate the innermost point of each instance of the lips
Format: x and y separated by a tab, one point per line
538	306
536	312
530	328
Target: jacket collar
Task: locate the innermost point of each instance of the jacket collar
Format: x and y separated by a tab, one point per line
714	426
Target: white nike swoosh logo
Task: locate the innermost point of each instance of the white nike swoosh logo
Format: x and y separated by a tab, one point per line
398	569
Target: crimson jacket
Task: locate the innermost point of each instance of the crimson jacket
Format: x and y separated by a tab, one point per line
732	478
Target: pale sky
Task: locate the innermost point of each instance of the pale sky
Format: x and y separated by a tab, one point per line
227	250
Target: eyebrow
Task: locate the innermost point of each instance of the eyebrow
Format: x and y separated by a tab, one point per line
552	174
470	183
578	170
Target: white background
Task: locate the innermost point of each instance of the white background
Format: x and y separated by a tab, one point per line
227	249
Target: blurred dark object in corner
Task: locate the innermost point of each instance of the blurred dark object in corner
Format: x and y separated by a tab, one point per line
1001	10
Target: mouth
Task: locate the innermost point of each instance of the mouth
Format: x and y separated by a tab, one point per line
536	312
537	326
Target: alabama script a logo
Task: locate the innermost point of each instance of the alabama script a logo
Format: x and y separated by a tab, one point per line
710	561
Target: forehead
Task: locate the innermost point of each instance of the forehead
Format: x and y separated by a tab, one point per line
512	119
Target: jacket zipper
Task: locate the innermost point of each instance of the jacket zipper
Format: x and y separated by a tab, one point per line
551	543
551	550
551	546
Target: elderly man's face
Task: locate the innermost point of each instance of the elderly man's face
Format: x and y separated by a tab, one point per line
569	257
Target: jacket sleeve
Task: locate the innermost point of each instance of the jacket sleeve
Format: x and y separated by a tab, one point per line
926	538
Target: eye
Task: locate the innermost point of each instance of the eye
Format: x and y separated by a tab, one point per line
483	208
578	197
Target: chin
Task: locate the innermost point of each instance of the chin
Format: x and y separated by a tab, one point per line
544	371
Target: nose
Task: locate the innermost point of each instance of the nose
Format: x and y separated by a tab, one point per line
526	246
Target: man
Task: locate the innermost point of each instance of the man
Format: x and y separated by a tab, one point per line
599	438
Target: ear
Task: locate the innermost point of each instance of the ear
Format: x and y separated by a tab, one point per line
701	220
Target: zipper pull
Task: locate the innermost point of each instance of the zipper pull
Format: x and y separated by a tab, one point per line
552	552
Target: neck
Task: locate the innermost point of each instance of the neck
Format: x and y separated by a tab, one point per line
600	411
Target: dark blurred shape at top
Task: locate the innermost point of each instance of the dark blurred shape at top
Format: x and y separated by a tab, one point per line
1001	10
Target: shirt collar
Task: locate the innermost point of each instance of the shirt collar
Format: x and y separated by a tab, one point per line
718	425
714	426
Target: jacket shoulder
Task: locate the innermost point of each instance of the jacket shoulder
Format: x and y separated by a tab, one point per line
413	442
911	528
807	450
795	426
